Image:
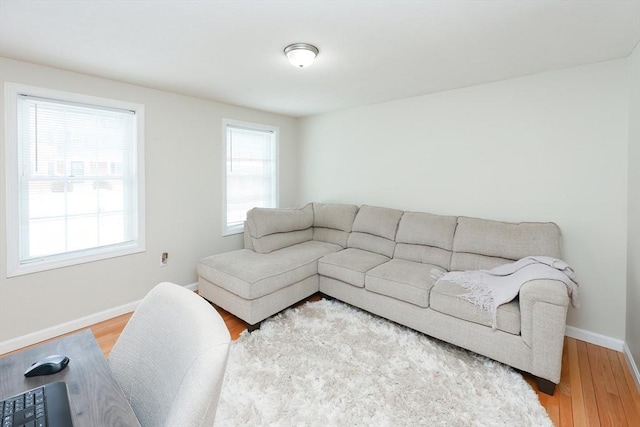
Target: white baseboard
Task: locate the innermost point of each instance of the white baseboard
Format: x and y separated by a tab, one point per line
632	365
74	325
64	328
594	338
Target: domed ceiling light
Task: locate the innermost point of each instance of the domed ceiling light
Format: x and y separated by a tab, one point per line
301	54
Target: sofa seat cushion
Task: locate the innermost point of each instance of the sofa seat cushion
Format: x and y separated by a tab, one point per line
403	280
446	298
251	275
350	265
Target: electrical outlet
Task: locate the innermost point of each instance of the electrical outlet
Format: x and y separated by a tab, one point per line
164	259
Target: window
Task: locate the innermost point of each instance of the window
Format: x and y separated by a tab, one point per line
74	179
250	178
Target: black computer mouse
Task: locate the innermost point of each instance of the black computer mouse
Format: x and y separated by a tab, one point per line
47	365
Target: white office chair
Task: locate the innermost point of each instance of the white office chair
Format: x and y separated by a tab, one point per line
171	357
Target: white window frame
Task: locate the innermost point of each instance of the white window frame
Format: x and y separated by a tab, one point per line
14	266
237	229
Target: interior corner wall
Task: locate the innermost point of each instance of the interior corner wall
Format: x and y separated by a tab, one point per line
183	181
547	147
633	239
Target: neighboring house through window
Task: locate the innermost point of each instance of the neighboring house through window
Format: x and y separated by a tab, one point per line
75	178
250	177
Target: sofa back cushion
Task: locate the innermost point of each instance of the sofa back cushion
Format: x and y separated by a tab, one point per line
484	244
333	222
374	230
425	238
248	243
273	229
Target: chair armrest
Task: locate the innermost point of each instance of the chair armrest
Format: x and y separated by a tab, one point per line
543	311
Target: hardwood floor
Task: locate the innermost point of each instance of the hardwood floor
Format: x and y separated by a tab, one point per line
596	388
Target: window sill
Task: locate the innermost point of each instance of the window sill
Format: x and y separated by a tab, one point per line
51	263
232	231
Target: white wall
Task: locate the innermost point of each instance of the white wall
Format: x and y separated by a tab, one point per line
547	147
555	146
183	203
633	242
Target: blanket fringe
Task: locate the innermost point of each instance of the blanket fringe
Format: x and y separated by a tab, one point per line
489	288
478	293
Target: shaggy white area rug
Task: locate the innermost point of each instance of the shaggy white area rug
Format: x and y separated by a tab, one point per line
329	364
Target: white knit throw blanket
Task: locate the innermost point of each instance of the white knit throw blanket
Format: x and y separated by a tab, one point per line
489	289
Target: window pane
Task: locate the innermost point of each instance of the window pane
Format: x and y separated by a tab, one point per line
77	166
82	232
112	228
47	236
251	172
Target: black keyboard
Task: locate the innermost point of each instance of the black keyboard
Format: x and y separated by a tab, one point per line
46	406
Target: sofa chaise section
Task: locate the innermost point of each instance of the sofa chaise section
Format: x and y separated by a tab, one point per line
279	267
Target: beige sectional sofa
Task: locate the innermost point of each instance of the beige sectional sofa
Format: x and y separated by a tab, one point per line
382	260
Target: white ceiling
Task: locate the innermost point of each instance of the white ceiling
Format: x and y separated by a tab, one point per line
370	51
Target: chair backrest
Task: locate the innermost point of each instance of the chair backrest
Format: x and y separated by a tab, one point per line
171	357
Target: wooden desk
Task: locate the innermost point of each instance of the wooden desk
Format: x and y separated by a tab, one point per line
94	396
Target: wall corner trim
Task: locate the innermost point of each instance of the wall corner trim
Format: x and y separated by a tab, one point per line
71	326
633	367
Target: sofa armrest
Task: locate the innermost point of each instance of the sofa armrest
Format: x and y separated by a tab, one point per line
543	311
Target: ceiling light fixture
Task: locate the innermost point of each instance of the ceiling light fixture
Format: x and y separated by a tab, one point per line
301	54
